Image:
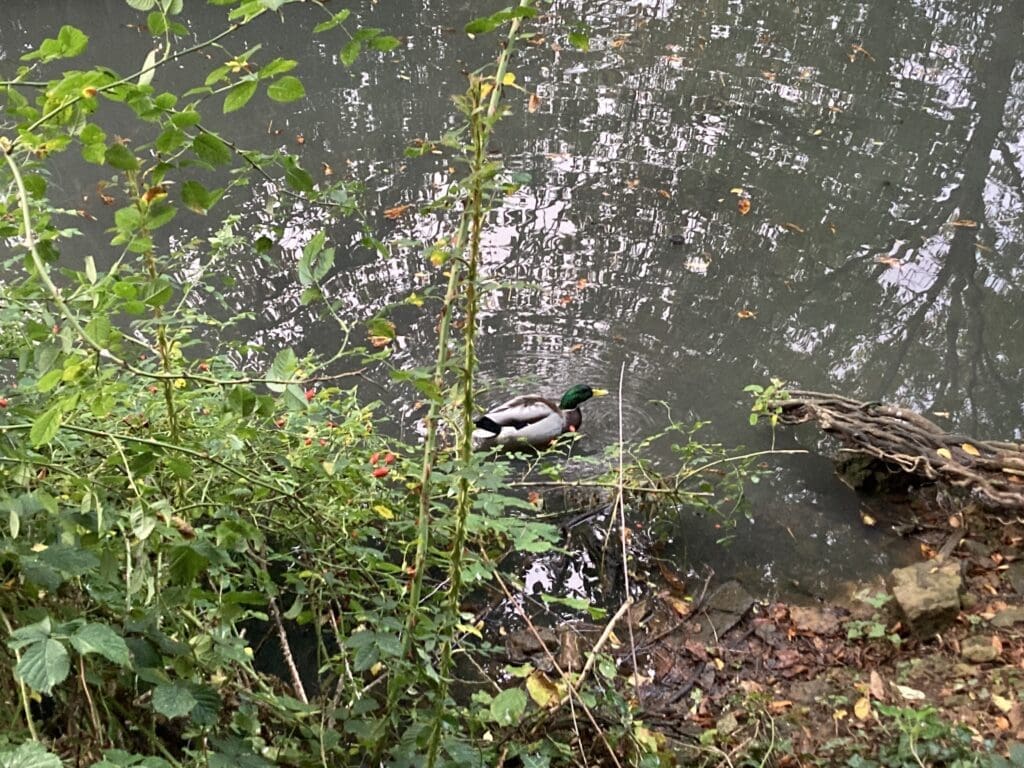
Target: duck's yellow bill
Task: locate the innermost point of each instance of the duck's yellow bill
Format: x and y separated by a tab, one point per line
600	392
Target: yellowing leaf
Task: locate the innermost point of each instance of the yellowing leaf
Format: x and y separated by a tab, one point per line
970	449
1004	704
944	453
544	693
384	512
509	78
862	709
737	191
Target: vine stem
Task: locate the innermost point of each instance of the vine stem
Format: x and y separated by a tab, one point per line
22	690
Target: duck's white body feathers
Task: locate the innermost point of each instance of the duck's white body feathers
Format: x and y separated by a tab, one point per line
529	420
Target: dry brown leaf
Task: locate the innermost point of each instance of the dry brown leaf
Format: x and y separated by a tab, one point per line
582	283
954	521
665	193
743	206
794	227
633	183
680	607
768	75
876	686
380	341
396	212
965	223
746	314
533	104
618	42
328	171
576	348
889	261
780	705
565	300
153	193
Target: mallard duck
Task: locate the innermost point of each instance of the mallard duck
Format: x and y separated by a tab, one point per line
532	420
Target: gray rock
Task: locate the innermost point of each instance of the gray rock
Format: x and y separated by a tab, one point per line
1008	617
725	609
978	650
928	594
1015	575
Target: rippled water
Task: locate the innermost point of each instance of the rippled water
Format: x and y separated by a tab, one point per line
866	137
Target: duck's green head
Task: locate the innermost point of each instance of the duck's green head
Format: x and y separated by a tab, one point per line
579	394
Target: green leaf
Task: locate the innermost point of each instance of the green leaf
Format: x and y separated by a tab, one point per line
43	665
186	564
101	639
385	43
120	157
316	262
156	23
142	5
173	699
334	21
296	176
579	40
31	754
508	706
282	369
350	52
45	426
239	95
69	560
49	380
211	150
198	198
277	67
68	43
287	88
208	703
32	633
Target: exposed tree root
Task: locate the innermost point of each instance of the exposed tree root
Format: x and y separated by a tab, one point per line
993	470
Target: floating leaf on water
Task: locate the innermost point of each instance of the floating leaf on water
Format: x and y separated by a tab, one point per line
743	206
533	104
746	314
396	212
794	227
737	191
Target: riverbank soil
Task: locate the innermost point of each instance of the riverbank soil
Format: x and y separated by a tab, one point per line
929	676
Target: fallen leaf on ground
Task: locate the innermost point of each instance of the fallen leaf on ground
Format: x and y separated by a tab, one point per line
862	709
908	693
